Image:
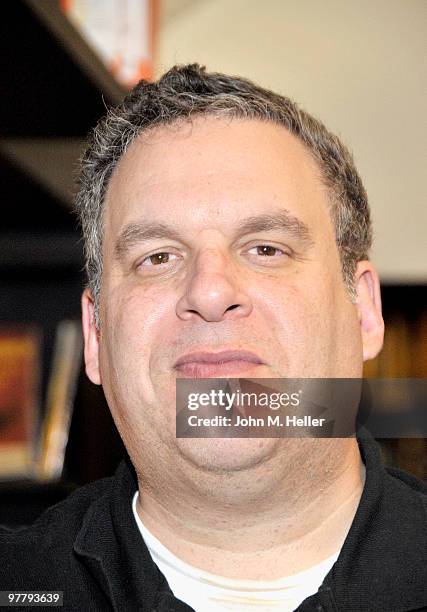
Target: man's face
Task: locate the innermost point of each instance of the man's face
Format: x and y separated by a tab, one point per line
246	260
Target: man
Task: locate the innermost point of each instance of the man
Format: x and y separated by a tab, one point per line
226	235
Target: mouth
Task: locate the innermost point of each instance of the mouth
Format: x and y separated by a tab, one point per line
205	364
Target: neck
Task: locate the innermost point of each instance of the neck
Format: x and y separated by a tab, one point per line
265	523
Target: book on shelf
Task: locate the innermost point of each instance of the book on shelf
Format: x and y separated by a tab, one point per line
19	398
33	446
60	400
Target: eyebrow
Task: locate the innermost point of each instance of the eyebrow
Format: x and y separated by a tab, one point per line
138	233
282	220
135	234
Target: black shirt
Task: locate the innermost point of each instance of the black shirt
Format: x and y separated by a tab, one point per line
89	547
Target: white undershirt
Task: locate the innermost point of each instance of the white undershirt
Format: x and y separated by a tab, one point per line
207	592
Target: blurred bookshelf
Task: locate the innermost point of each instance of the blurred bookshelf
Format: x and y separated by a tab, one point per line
404	355
55	89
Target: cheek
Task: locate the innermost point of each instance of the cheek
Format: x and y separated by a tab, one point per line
303	322
134	315
133	325
295	307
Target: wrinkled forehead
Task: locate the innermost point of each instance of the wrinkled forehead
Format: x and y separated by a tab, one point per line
214	170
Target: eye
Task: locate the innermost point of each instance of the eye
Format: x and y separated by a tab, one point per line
267	250
157	259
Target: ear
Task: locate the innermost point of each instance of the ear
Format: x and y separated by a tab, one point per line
91	338
368	303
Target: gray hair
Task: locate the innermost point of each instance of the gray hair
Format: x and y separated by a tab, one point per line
188	91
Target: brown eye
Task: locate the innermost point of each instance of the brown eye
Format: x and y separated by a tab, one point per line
267	250
157	259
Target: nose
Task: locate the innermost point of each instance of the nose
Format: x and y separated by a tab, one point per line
212	292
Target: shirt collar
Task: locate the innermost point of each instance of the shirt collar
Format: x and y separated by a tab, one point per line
110	544
374	568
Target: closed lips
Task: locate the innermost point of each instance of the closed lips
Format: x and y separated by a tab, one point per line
218	357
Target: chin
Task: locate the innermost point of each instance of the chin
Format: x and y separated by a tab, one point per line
227	455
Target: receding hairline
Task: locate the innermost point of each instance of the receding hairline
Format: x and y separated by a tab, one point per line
152	134
176	125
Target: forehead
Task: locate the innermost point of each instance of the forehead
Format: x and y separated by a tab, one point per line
216	168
